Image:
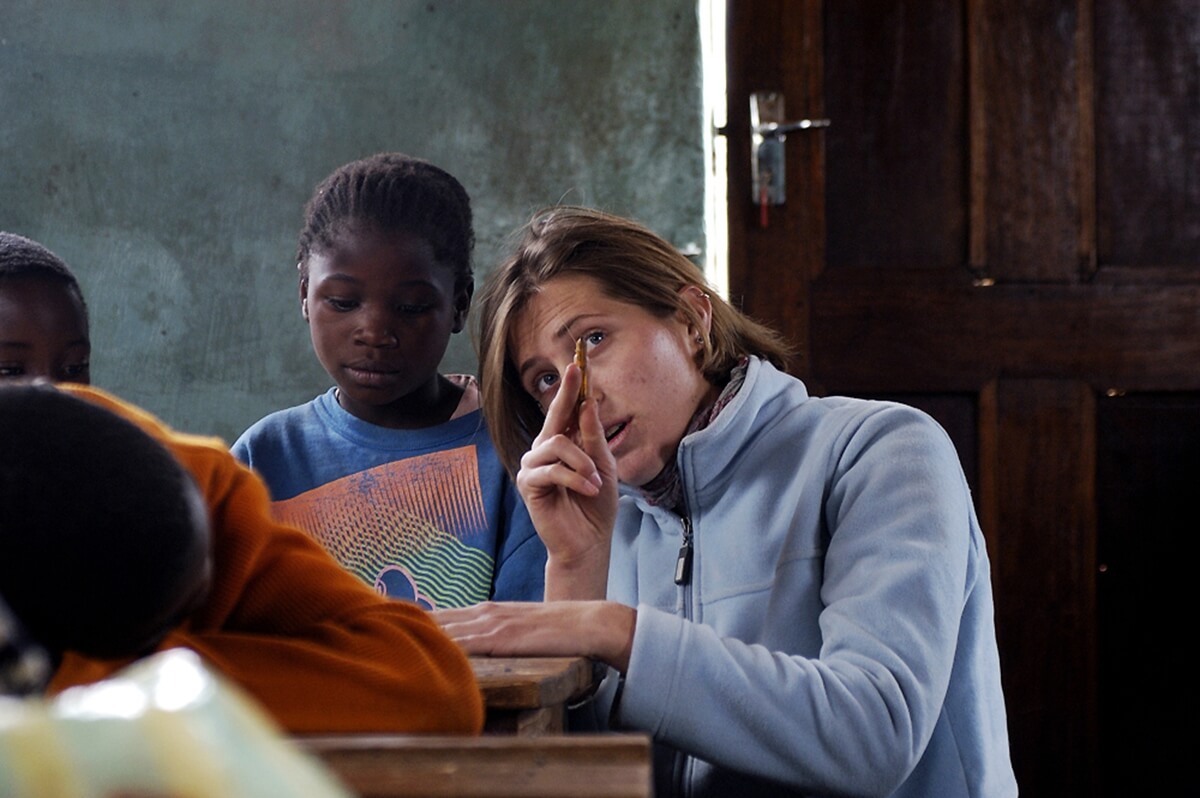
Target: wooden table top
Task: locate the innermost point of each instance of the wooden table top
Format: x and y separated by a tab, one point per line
562	766
532	682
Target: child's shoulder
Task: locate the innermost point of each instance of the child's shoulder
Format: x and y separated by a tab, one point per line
284	423
471	398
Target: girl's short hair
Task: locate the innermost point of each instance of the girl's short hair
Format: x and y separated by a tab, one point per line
391	192
631	264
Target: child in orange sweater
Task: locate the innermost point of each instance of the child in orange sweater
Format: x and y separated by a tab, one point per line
318	649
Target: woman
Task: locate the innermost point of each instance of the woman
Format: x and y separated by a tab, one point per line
792	593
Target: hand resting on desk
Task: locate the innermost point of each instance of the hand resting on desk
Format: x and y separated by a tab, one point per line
601	630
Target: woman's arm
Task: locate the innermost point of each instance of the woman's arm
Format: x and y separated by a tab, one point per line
853	710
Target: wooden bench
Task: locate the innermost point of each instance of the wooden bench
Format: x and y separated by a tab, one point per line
497	766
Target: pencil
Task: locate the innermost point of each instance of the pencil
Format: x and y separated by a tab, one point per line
581	361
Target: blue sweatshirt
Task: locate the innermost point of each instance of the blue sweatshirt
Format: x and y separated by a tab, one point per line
427	515
835	634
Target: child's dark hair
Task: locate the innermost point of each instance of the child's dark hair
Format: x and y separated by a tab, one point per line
392	193
99	527
22	257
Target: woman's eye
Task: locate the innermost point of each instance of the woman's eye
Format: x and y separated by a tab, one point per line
544	382
594	338
341	305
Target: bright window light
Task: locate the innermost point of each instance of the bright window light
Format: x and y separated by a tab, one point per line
716	200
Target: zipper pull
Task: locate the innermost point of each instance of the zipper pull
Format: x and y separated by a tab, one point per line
683	563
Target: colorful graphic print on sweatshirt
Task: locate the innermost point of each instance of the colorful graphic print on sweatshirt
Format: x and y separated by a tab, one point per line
404	527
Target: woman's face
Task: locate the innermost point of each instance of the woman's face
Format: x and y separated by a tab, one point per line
642	369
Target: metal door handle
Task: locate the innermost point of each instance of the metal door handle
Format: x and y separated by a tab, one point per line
782	128
768	132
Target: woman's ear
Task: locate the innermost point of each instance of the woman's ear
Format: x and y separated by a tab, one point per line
701	305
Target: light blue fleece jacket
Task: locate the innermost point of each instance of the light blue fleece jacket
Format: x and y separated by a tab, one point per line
836	634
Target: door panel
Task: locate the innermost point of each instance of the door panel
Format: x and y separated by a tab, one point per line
1027	181
900	198
1148	460
1002	226
1043	571
1148	173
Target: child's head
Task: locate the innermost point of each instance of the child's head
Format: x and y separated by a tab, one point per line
626	262
43	318
385	279
104	539
391	193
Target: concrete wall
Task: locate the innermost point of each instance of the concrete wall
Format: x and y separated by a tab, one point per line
165	151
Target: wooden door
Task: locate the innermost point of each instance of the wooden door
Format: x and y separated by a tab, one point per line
1002	226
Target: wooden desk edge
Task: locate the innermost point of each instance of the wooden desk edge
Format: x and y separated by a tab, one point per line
565	766
529	682
329	743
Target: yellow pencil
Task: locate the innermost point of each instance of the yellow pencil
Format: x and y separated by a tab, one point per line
581	361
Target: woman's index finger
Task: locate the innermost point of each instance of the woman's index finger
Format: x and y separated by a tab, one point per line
561	415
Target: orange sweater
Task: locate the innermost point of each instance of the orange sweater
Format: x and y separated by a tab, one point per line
317	648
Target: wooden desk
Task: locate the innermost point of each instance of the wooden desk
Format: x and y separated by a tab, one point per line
528	696
560	766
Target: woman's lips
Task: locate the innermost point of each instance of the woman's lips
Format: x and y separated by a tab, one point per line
615	434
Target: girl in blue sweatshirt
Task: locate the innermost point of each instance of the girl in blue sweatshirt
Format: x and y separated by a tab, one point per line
392	468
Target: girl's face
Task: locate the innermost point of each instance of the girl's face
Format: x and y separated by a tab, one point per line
642	370
381	311
43	331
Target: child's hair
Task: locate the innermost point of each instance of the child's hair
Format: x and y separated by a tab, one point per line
100	530
22	257
631	264
392	193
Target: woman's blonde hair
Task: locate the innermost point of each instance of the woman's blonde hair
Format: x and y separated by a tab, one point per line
630	264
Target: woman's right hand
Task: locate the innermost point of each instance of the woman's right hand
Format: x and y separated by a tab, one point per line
568	480
601	630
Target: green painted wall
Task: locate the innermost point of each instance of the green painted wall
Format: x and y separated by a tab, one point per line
165	150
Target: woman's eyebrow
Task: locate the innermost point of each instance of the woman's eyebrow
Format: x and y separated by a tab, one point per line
565	330
526	366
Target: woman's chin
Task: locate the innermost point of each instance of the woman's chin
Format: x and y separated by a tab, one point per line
637	474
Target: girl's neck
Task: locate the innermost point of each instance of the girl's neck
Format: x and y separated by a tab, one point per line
429	406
